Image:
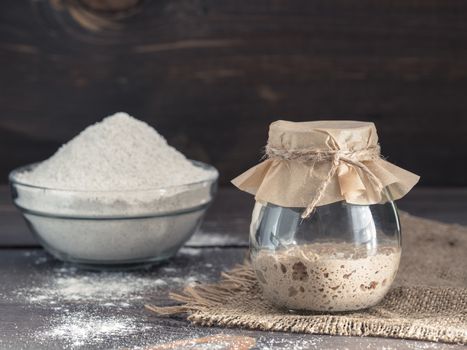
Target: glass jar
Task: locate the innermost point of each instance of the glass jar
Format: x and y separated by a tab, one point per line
342	257
325	234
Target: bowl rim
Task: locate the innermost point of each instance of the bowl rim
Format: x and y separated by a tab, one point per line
115	217
215	176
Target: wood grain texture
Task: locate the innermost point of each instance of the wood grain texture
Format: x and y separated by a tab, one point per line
23	322
211	75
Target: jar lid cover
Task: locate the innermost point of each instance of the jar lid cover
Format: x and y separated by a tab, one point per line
320	162
348	134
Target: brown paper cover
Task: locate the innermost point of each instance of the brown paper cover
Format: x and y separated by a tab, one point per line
294	183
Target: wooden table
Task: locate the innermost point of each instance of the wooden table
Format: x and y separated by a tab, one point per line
38	306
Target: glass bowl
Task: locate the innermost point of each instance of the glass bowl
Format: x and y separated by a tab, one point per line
113	228
343	257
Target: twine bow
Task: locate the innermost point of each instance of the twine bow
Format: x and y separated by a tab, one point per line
336	157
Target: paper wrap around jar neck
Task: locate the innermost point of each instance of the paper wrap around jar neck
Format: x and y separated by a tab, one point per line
300	160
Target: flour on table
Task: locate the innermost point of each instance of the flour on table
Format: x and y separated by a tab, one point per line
190	251
301	342
80	328
112	288
89	308
202	239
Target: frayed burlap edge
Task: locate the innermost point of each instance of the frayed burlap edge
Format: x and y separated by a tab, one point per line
219	304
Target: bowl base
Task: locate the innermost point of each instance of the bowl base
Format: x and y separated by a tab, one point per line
112	265
118	267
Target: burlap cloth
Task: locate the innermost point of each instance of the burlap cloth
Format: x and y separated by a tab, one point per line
427	302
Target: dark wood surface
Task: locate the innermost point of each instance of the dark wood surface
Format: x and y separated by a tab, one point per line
26	270
211	75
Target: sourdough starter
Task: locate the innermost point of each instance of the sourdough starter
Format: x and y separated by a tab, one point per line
326	276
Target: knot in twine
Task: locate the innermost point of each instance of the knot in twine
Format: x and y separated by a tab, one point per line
336	157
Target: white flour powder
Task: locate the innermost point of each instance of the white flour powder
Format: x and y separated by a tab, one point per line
88	309
79	329
71	285
119	168
119	153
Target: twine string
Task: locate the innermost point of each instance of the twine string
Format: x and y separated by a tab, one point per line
336	157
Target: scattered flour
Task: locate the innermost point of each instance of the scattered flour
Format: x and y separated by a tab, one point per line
106	288
119	153
170	269
190	251
204	239
294	342
78	329
90	308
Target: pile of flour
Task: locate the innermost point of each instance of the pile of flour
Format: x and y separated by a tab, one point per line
118	168
119	153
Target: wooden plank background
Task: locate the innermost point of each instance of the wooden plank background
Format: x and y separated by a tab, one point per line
211	75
